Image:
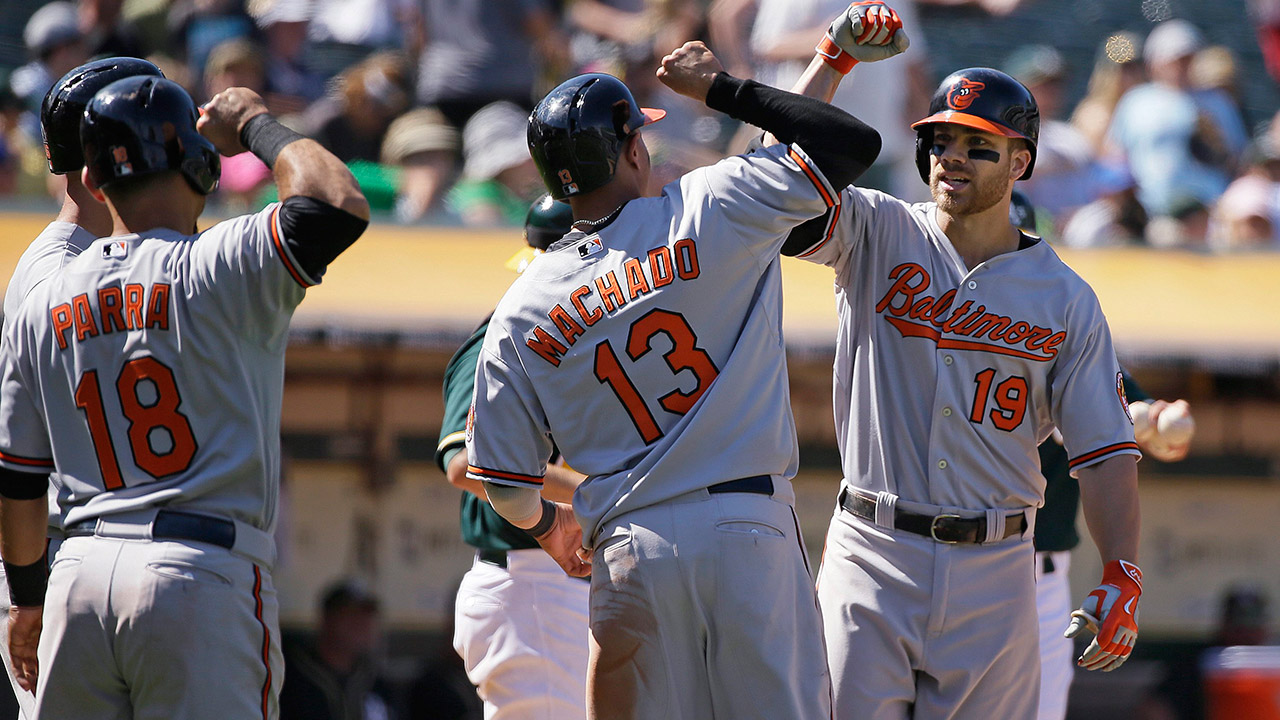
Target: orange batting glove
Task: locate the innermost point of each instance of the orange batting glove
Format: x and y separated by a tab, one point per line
1111	613
866	31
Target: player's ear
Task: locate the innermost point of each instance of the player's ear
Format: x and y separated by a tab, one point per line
93	189
1019	157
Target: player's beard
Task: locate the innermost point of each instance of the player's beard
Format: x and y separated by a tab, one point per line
982	194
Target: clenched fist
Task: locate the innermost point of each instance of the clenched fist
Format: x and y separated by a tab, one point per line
223	117
689	70
866	31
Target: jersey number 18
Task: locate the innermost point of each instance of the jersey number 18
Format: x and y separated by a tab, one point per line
145	414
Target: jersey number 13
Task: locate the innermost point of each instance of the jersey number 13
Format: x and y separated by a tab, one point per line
147	410
683	355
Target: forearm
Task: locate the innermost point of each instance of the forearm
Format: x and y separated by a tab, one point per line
23	526
560	482
1109	497
795	45
842	146
305	168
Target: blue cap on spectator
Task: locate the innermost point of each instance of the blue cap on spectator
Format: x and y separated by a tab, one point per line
51	26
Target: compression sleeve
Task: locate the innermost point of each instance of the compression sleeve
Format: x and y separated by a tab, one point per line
17	485
520	506
842	146
317	232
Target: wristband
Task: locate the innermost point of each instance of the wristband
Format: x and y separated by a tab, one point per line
27	583
544	524
832	55
266	137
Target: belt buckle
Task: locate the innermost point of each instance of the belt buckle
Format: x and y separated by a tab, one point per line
933	527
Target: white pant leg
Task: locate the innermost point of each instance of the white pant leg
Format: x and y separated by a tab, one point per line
136	630
704	609
522	634
1053	604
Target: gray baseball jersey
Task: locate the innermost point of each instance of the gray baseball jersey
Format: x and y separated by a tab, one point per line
947	379
57	244
685	384
111	364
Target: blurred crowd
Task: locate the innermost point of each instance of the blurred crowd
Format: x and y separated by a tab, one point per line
426	100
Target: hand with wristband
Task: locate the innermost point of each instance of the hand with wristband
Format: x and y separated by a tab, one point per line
1111	613
866	31
560	535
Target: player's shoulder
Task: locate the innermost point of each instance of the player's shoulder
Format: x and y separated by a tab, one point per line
58	243
1057	277
263	222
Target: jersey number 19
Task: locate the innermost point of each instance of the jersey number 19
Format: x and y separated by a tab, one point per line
147	410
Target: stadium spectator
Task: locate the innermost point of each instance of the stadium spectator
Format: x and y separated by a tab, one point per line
291	85
1179	142
202	25
613	35
345	32
1248	213
1117	70
1065	177
353	118
56	45
335	677
480	52
499	179
238	63
422	144
1115	218
105	30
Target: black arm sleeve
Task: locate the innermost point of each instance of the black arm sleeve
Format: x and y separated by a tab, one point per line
805	235
842	146
317	232
16	485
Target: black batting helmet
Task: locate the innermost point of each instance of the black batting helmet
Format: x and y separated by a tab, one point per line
143	125
64	105
577	131
983	99
547	221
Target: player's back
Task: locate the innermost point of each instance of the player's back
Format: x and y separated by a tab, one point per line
158	362
653	347
57	244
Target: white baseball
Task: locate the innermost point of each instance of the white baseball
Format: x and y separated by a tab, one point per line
1175	425
1140	411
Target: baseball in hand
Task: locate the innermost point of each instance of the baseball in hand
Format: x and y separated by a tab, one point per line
1175	424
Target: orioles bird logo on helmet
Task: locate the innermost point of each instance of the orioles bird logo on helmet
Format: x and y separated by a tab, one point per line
964	93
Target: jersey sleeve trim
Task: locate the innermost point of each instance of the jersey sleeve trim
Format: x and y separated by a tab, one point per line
830	230
290	264
501	477
1102	453
26	462
818	181
451	440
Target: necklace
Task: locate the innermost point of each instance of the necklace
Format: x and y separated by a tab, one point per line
593	224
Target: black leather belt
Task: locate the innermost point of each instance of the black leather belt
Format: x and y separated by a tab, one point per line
1046	564
945	528
176	525
758	484
496	558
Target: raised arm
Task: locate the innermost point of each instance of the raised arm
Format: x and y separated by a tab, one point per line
842	146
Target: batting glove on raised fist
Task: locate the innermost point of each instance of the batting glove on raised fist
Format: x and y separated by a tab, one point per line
1111	613
866	31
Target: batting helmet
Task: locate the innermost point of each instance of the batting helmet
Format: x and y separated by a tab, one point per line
64	105
143	125
548	220
577	131
983	99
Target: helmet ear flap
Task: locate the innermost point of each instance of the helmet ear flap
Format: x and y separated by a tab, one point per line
924	144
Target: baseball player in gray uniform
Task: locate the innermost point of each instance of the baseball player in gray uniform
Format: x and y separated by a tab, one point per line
963	343
520	623
80	221
648	342
147	373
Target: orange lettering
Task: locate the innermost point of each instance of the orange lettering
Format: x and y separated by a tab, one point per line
610	292
546	346
60	317
158	308
686	259
83	314
637	285
110	307
903	276
588	316
570	329
660	266
133	294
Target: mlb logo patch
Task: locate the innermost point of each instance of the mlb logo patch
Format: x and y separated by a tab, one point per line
115	249
590	247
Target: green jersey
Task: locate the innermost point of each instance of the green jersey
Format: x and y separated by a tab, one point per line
1056	520
482	527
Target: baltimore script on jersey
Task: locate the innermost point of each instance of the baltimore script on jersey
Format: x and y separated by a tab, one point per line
664	265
